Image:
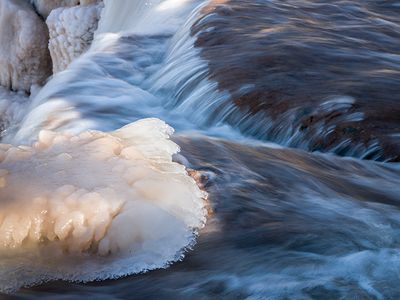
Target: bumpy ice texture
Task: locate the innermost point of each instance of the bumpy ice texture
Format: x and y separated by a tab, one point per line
24	56
71	33
94	206
44	7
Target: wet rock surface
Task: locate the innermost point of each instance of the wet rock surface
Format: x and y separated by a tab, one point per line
291	63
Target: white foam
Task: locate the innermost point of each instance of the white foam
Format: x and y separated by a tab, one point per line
95	205
13	108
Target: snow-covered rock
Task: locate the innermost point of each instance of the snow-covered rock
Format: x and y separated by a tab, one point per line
44	7
87	2
71	33
24	56
94	205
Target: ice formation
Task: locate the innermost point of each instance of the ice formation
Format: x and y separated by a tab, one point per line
94	205
44	7
24	56
13	107
71	33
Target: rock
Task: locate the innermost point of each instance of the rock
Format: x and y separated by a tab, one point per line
24	56
71	33
44	7
87	2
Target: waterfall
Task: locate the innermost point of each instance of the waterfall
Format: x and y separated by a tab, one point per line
76	157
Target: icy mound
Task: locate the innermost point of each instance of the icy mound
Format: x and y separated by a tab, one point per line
24	57
71	32
94	206
44	7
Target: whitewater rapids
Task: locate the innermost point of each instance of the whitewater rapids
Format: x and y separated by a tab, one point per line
92	187
81	204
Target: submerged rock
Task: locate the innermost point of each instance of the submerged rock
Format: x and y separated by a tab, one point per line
307	75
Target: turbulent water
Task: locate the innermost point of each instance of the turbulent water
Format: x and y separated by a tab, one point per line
287	115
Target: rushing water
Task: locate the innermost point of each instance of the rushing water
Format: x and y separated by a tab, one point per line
287	111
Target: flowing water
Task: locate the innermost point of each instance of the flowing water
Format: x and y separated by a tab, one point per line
286	113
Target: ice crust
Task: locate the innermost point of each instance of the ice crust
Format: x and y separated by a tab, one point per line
71	32
24	55
95	205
